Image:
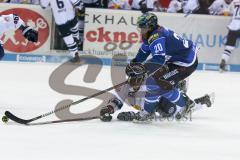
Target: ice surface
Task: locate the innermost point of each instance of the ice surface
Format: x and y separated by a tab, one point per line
213	133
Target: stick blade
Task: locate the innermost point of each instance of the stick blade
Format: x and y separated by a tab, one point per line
15	118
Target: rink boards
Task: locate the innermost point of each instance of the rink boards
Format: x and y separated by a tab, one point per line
110	32
105	61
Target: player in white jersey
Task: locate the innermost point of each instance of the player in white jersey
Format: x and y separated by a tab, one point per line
233	33
219	7
14	22
67	23
81	15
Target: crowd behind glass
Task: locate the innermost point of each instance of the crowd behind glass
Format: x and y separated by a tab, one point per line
213	7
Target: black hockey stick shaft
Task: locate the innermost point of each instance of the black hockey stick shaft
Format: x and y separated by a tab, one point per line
63	121
23	121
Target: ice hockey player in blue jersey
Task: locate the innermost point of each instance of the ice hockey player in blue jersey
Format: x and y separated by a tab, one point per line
172	60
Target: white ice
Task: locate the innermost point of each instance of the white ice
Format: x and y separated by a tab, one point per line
213	133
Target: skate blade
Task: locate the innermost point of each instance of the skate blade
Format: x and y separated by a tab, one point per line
142	122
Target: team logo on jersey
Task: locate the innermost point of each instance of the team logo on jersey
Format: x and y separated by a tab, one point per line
15	42
152	38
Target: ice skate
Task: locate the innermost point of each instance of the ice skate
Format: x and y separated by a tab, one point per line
76	58
207	99
222	66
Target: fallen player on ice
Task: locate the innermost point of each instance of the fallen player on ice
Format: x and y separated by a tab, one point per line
152	83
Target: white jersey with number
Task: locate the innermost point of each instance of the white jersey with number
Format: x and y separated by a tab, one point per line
235	10
9	22
63	10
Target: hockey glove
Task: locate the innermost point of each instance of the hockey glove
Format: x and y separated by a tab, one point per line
136	73
105	113
30	34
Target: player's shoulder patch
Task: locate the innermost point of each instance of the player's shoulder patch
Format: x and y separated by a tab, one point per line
153	37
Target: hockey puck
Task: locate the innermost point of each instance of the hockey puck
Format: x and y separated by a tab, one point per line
5	119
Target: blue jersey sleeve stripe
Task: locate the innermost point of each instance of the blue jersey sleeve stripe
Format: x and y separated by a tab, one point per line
159	54
158	60
143	50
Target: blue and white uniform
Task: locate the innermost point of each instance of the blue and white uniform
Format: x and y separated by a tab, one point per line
167	48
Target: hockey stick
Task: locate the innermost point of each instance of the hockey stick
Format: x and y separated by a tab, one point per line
62	121
26	122
23	121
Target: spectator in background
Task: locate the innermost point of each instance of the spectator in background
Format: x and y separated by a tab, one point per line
104	3
23	1
143	5
119	4
220	7
158	7
197	6
175	6
135	5
203	7
164	3
191	6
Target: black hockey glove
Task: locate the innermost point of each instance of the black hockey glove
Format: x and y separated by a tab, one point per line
136	73
126	116
30	34
105	113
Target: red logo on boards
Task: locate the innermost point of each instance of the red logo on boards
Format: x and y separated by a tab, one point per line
14	40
